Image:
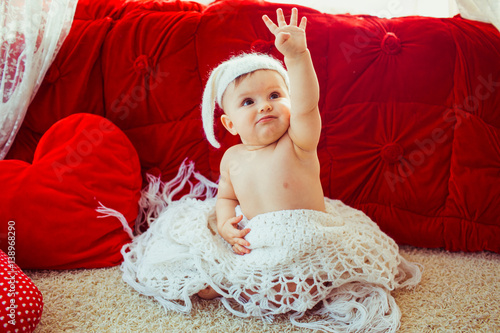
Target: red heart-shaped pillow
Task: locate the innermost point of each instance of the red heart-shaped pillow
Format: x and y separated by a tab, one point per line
80	161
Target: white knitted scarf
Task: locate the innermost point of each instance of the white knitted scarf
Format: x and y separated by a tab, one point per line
299	258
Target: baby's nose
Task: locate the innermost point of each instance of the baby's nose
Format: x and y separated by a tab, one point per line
265	107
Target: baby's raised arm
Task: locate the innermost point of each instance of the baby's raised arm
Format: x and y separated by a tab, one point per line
305	120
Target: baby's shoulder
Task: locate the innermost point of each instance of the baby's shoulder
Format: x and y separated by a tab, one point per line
231	153
239	156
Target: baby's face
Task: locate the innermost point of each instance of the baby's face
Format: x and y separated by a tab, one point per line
257	108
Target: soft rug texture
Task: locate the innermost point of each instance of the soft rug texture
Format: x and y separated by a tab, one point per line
459	292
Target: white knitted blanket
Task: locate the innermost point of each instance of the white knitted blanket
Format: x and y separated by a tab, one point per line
298	259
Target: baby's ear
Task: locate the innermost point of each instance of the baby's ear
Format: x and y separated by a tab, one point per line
228	124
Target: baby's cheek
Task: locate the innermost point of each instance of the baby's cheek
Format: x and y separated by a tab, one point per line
286	112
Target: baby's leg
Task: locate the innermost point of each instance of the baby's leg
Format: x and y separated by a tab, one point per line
208	293
291	287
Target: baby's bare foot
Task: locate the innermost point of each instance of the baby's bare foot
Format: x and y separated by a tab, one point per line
208	293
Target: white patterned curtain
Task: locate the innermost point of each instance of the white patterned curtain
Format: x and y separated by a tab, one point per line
31	34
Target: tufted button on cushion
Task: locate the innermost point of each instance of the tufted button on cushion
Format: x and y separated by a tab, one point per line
141	64
391	43
392	152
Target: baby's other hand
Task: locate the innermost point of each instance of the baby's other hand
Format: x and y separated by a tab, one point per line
234	236
290	38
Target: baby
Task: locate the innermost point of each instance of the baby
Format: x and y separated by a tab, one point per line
276	116
306	249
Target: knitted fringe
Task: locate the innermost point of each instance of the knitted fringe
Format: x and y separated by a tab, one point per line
356	307
158	195
410	274
155	198
108	212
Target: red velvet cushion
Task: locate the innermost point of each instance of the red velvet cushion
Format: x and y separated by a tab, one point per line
156	70
80	161
21	303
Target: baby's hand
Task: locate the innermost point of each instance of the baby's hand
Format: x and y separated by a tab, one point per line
290	38
234	236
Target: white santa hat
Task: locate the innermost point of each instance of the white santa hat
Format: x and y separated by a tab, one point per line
226	73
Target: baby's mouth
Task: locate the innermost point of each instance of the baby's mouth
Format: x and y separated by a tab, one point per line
266	119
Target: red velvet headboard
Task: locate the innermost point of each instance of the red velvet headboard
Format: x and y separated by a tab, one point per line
410	106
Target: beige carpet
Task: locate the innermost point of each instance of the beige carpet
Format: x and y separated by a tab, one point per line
459	292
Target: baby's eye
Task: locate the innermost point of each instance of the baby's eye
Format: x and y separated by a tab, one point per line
247	102
274	95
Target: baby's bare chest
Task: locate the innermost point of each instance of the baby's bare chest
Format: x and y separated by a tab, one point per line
275	179
265	174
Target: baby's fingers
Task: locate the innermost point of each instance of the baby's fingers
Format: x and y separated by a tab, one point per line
294	18
281	17
244	232
241	240
241	250
235	220
270	24
303	23
239	233
282	37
